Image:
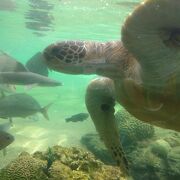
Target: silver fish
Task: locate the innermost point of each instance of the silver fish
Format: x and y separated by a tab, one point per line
26	78
8	63
21	105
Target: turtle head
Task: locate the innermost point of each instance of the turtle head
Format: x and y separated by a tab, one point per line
65	56
84	57
76	57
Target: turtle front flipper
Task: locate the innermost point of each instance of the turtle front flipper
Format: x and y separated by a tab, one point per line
83	57
100	104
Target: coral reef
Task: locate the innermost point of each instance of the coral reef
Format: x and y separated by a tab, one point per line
173	160
69	163
153	159
153	153
131	129
92	143
160	148
25	167
145	165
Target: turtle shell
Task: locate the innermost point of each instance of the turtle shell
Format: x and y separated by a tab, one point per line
152	34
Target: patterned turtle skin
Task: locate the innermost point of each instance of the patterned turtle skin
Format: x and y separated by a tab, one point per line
141	72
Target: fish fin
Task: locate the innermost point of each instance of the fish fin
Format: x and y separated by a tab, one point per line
44	111
4	151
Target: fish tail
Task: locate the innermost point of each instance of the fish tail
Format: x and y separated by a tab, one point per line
44	111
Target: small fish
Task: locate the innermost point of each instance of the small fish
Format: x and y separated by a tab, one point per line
5	139
21	105
8	63
78	117
26	78
36	64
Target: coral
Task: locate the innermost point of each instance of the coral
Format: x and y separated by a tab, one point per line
153	158
93	144
173	138
76	158
146	165
25	167
132	129
160	148
131	132
173	160
69	163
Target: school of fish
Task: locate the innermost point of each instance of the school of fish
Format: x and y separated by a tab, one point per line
14	104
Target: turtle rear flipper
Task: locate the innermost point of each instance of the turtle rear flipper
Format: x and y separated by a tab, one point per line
100	104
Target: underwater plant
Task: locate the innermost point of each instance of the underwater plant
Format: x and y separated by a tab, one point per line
50	159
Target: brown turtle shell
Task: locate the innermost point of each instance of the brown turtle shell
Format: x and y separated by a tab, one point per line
152	34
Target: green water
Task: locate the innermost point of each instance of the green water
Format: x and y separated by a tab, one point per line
71	19
29	26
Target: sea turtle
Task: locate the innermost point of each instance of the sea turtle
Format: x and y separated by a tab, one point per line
141	72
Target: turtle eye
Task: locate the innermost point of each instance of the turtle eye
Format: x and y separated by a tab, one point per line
105	107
